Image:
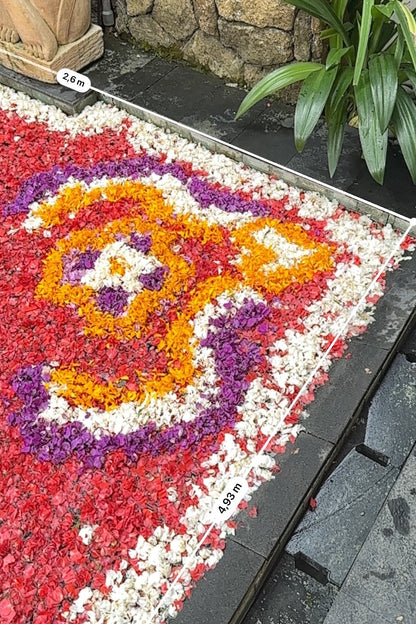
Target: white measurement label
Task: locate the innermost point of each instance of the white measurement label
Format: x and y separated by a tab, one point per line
229	500
73	80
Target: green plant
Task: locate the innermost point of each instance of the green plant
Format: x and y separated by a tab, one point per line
369	74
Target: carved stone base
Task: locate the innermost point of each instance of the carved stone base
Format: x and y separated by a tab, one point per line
74	56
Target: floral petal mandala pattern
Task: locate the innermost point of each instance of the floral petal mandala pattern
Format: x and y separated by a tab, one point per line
163	306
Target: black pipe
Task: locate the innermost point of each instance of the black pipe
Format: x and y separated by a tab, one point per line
107	14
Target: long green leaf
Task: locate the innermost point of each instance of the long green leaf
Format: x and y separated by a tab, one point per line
355	33
312	99
341	85
339	7
335	55
276	80
373	141
411	74
408	24
336	131
363	40
328	33
401	8
384	81
336	115
404	126
382	28
386	10
324	12
388	31
398	52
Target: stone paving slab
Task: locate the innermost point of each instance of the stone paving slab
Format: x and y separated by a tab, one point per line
120	59
165	97
313	161
338	400
270	135
398	190
347	610
130	83
277	501
409	346
216	115
210	113
369	353
291	597
384	573
391	424
71	102
347	506
389	324
217	595
226	593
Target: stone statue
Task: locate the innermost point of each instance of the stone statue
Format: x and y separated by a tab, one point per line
42	25
39	28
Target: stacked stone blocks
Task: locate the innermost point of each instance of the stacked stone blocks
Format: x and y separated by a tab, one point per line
238	40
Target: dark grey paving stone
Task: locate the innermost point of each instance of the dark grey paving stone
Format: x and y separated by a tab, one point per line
178	94
291	597
131	85
215	114
121	61
391	423
270	135
395	308
355	438
187	80
345	392
218	594
347	610
219	125
347	506
313	161
397	192
409	346
384	574
278	500
198	104
70	101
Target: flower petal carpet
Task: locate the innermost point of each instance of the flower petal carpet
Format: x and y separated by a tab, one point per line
161	308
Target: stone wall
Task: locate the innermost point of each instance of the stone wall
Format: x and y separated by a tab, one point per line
238	40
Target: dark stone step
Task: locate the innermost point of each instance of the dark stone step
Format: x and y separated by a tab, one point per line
347	506
380	586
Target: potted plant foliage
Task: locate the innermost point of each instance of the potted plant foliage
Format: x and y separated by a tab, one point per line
369	75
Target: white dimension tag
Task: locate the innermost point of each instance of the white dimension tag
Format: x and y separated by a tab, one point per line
231	497
73	80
